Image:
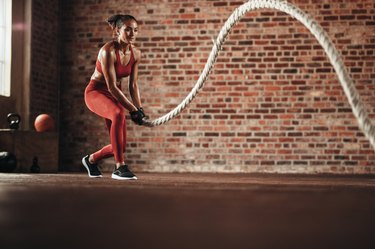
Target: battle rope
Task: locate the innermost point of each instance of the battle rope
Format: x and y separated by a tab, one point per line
345	80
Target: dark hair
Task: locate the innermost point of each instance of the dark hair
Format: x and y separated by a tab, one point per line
116	21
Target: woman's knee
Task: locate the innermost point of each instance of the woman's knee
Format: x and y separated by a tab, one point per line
118	114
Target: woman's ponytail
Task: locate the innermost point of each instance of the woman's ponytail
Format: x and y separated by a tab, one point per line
112	20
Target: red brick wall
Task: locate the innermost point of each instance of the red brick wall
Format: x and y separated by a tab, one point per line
272	104
45	74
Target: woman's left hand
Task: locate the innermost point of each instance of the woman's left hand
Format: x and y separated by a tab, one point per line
143	113
138	116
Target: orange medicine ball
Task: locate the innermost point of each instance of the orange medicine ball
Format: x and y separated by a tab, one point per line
44	122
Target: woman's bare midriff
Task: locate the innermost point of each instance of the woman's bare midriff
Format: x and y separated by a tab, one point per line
98	77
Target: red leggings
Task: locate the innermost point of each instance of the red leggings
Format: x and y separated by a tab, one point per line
100	101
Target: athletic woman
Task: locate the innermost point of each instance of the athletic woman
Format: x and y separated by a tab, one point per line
116	59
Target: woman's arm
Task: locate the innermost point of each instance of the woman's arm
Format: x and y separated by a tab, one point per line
108	59
133	81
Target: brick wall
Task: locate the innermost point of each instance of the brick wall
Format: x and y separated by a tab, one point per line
45	74
272	104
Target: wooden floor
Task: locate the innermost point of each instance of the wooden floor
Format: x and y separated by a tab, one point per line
187	211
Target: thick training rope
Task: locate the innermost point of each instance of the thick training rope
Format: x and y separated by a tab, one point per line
346	82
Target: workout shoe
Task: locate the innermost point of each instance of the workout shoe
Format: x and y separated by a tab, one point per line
123	173
92	168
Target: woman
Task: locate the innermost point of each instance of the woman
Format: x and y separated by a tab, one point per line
116	59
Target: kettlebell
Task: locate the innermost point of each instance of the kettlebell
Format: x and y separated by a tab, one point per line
8	162
14	121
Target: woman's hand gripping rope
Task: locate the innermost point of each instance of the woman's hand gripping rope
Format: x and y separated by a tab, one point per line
138	116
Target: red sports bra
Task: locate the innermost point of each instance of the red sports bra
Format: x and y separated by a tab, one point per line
121	70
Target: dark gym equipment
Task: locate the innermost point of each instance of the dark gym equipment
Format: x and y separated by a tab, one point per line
35	167
8	162
14	121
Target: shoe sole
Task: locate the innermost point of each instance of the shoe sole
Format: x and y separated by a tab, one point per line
88	170
116	177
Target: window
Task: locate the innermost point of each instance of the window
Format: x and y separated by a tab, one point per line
5	45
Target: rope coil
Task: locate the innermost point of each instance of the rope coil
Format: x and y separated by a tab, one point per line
345	80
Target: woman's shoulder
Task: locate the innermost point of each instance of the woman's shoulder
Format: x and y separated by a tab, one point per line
137	52
109	47
107	51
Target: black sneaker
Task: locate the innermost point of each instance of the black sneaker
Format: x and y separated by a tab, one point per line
123	173
92	168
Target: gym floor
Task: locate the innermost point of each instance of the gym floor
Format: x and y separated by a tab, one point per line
187	211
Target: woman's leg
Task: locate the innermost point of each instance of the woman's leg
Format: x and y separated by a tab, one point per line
103	104
107	150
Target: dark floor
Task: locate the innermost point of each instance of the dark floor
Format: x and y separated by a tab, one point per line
187	211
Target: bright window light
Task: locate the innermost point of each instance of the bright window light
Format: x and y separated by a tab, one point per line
5	45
